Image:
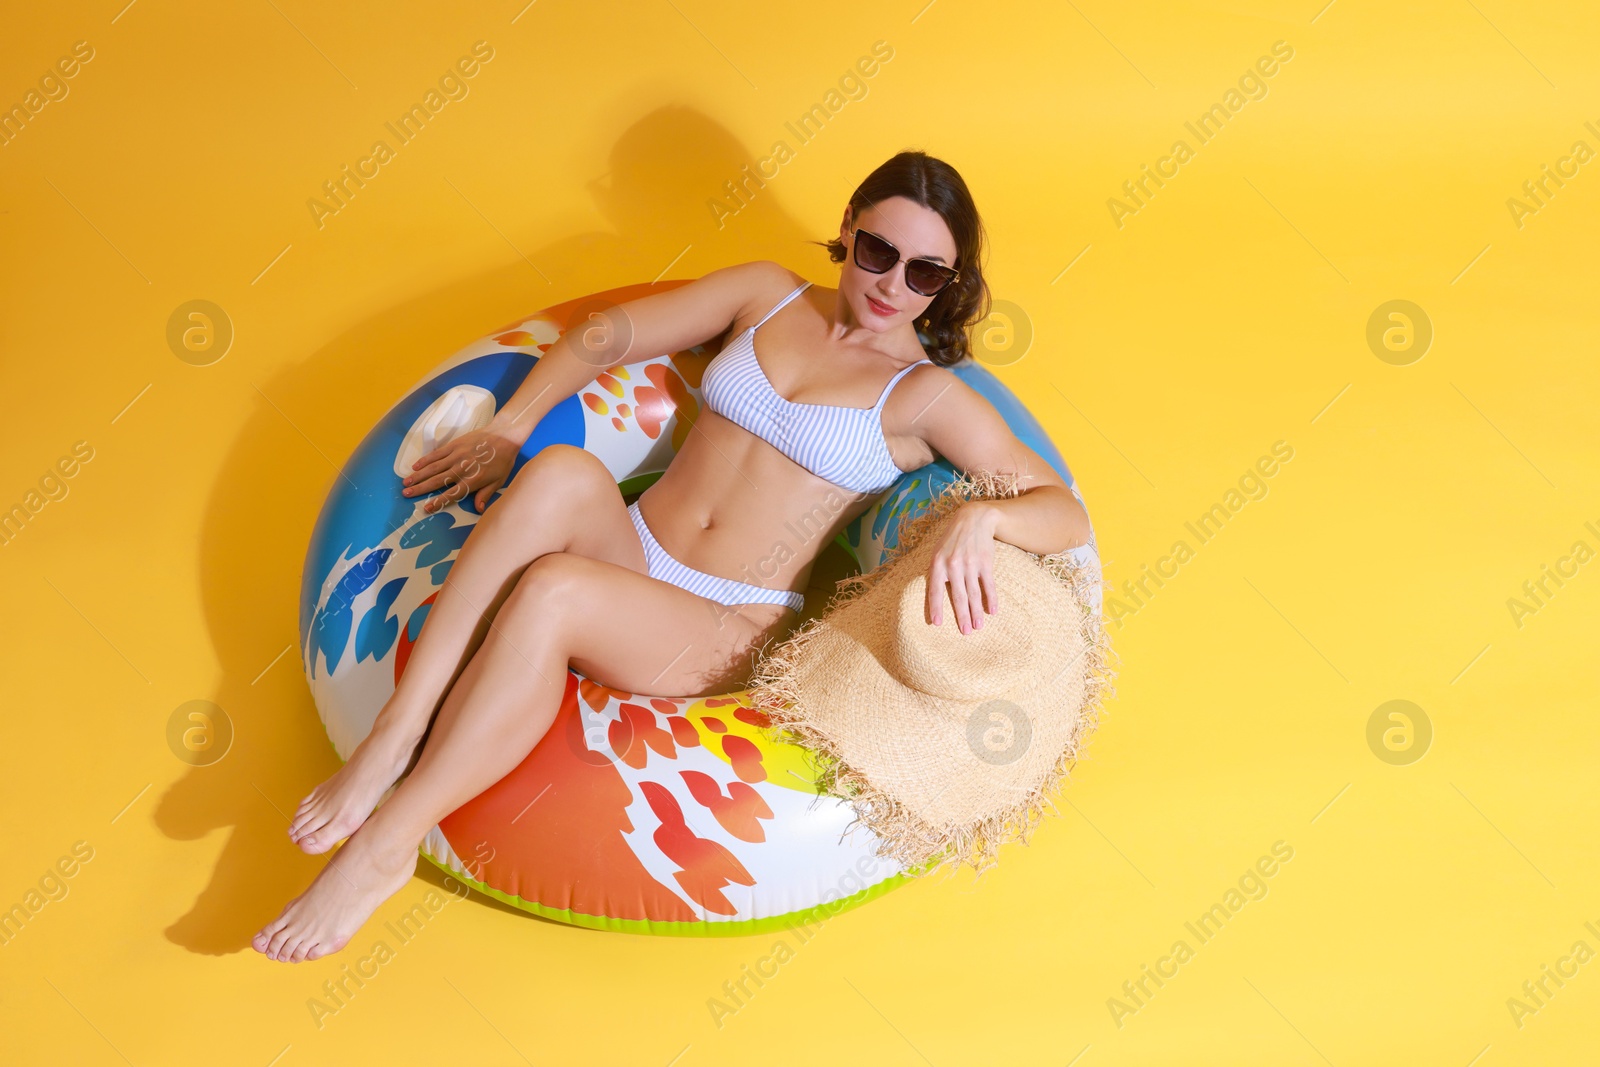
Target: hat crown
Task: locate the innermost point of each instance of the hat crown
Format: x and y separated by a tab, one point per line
943	662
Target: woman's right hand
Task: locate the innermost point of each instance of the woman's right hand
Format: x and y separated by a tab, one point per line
478	461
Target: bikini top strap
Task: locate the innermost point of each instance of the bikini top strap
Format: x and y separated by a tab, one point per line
779	306
901	373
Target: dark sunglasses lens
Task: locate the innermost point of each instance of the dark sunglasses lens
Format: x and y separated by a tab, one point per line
874	253
925	277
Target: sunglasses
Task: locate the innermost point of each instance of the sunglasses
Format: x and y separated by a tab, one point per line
923	276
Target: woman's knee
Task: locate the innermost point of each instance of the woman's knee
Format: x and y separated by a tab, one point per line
567	467
558	473
547	587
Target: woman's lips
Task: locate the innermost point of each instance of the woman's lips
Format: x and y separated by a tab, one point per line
881	309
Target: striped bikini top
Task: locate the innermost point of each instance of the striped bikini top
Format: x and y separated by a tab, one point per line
843	445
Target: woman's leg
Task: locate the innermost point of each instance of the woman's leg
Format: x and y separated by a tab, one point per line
562	500
621	628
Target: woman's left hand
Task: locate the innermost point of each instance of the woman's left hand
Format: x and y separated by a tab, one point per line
963	559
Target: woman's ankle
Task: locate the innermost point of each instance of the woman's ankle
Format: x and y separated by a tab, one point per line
395	735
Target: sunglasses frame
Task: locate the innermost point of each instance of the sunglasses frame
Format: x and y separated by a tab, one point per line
856	255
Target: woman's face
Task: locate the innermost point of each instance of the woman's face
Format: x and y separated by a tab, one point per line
883	301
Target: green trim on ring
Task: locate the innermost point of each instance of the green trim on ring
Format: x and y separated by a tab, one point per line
639	482
745	927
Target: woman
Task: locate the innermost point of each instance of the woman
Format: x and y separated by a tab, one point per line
560	572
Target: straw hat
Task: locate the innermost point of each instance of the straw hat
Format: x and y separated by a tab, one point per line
946	743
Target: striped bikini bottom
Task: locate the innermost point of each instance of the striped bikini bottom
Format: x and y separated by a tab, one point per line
724	591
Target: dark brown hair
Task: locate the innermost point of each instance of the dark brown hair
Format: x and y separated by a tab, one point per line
935	185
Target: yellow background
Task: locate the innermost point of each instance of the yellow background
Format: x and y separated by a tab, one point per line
1228	314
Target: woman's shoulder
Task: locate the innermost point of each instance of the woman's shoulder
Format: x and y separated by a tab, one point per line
931	391
762	279
766	273
762	283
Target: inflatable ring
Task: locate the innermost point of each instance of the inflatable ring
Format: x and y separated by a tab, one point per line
644	814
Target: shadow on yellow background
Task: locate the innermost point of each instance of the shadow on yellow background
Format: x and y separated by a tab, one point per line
658	165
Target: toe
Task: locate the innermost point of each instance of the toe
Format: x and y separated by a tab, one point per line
262	942
323	838
276	945
304	823
301	949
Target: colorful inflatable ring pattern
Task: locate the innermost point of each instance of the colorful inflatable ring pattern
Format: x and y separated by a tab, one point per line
643	814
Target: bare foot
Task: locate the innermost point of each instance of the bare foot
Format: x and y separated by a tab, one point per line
336	809
326	916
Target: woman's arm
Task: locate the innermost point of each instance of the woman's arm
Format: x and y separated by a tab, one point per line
607	335
1033	520
964	428
601	337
